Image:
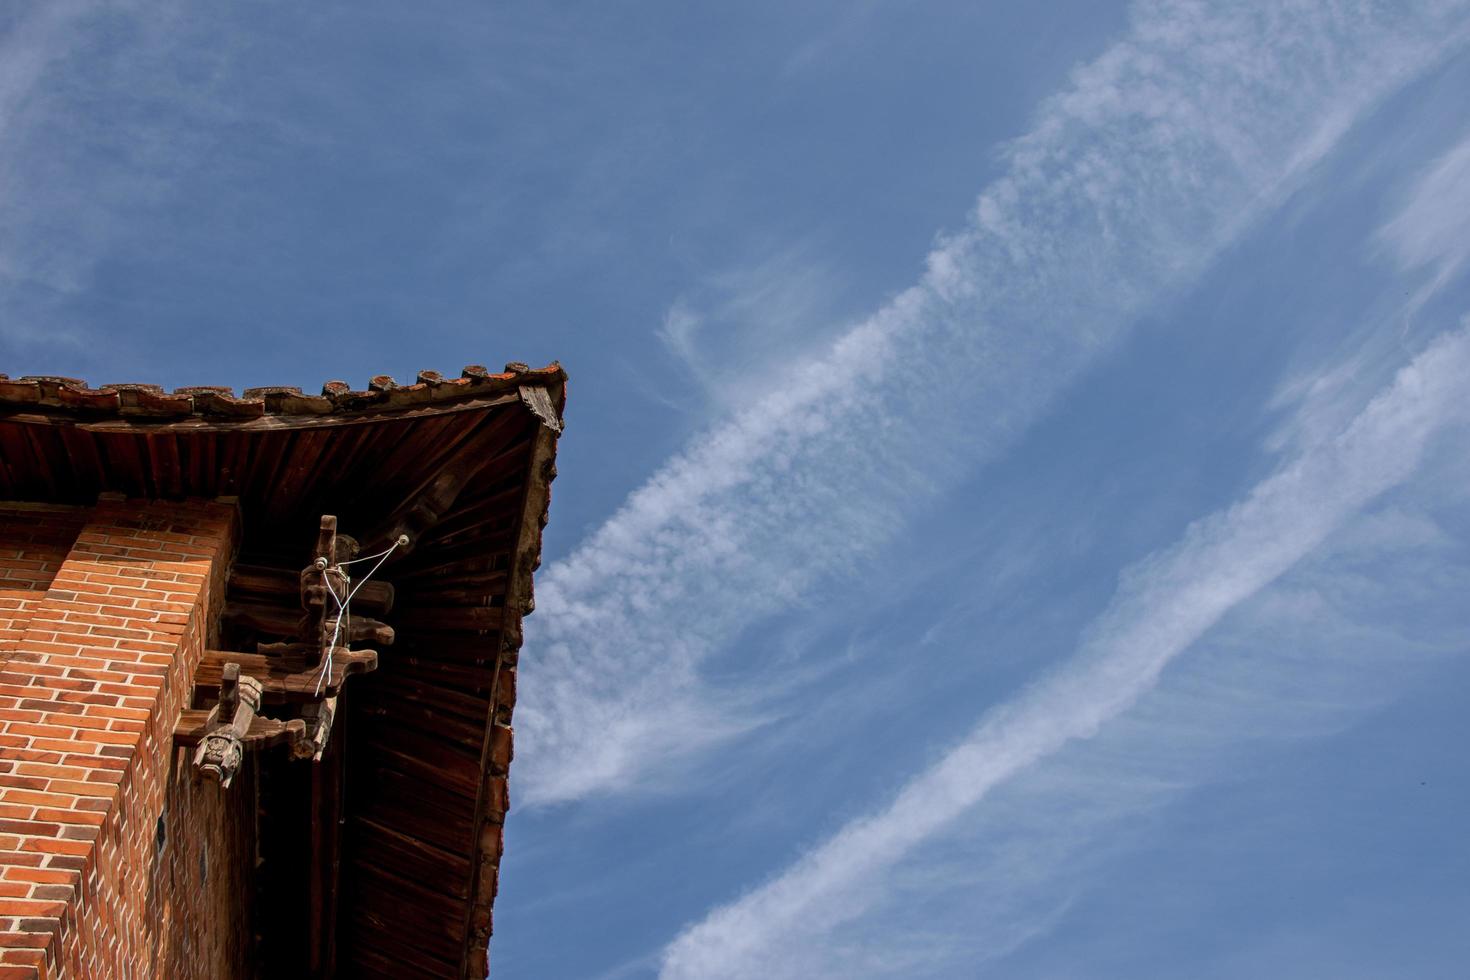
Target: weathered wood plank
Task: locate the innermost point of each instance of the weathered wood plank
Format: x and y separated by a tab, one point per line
380	948
539	402
285	680
495	755
421	914
425	757
452	647
436	565
450	617
464	594
469	677
413	806
410	856
428	500
404	715
371	963
125	470
296	471
284	585
192	725
432	694
325	861
268	619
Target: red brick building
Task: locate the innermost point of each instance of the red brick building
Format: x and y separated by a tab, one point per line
257	667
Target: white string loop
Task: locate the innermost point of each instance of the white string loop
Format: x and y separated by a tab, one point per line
342	605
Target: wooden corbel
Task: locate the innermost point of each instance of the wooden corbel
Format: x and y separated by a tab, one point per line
304	674
194	726
538	400
318	717
323	579
320	582
221	752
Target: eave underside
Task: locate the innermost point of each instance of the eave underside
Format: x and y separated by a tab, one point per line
426	736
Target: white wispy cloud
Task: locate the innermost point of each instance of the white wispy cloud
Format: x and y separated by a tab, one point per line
1426	238
744	319
1163	150
1164	605
1429	231
1368	616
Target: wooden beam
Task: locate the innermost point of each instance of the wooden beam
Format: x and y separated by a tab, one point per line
496	748
327	777
285	587
328	616
266	618
451	617
284	679
263	733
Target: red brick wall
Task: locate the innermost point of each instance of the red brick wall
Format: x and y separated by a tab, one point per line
89	692
34	539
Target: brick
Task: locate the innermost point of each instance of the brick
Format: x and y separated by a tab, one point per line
14	858
89	763
30	827
25	782
39	799
12	906
86	817
48	705
40	875
79	788
46	845
100	660
58	893
69	862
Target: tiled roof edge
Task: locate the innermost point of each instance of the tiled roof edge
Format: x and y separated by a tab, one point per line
69	396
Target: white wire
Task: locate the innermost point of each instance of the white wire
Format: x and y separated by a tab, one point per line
354	561
393	547
336	632
342	606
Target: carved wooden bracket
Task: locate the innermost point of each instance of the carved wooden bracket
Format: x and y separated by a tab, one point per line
220	752
325	587
285	678
193	727
318	717
538	400
306	673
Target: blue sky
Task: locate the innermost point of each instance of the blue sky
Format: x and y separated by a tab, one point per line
1015	511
